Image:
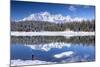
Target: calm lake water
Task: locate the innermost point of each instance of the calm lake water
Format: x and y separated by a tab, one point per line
79	52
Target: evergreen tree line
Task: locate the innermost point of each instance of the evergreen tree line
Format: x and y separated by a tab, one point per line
50	26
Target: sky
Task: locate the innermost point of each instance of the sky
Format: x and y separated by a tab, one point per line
21	9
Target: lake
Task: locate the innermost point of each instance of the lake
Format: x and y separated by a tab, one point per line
50	53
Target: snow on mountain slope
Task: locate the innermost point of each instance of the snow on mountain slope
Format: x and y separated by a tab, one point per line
55	18
47	47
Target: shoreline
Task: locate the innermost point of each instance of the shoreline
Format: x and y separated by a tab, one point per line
47	33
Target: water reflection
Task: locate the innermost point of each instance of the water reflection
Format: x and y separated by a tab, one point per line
46	52
73	53
49	39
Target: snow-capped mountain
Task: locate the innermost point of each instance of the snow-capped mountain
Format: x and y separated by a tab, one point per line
55	18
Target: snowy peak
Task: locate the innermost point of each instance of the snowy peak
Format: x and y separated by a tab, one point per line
55	18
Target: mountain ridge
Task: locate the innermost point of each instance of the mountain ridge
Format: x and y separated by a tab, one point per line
53	18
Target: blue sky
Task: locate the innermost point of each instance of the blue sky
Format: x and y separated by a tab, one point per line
20	9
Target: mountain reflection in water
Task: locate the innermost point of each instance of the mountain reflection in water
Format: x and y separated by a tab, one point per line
48	50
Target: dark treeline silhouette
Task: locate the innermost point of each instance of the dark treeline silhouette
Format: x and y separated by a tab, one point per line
52	39
50	26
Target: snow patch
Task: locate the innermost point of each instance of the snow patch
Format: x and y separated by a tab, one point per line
48	33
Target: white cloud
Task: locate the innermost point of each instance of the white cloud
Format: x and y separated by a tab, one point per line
28	62
47	47
72	8
64	54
